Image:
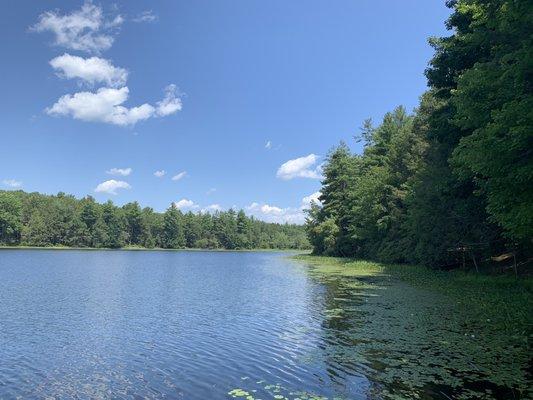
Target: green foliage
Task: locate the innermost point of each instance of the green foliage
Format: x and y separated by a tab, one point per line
494	101
459	172
173	236
10	218
34	219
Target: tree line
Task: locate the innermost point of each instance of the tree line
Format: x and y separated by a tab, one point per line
34	219
453	179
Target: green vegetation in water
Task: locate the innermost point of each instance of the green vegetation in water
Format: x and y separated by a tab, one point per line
274	391
417	332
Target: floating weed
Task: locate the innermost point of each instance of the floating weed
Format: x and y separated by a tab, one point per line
413	331
240	393
277	392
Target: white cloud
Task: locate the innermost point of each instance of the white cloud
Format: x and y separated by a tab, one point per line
211	191
111	186
170	104
83	30
105	105
312	198
12	183
268	145
179	176
102	106
302	167
119	171
185	204
145	16
270	213
160	173
212	208
91	70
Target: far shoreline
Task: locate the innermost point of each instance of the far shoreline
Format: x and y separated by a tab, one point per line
190	249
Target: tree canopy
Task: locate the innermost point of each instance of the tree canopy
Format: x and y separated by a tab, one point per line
456	173
35	219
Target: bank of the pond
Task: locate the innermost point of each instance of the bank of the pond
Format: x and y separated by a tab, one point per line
139	248
500	302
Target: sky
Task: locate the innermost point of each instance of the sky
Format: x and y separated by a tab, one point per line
207	104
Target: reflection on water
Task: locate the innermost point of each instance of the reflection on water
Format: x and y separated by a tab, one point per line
202	325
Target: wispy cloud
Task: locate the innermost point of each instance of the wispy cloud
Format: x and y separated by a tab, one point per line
312	198
302	167
179	176
268	145
111	186
12	183
170	104
89	70
85	29
160	174
211	191
145	16
119	171
212	208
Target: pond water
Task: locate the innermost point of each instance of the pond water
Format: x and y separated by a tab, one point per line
215	325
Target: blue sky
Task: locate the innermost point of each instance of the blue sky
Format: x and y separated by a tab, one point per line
220	95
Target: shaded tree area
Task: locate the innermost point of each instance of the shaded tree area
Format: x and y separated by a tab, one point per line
34	219
453	180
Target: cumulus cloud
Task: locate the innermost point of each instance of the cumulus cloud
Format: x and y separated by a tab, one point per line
179	176
303	167
270	213
160	174
170	104
12	183
312	198
186	204
111	186
105	105
85	29
119	171
145	16
90	70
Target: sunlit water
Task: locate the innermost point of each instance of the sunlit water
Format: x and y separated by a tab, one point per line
191	325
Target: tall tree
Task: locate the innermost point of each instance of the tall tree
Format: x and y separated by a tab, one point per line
173	236
134	223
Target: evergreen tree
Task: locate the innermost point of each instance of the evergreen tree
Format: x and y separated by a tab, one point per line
173	236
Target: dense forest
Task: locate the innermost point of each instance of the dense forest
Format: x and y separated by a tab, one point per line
453	181
35	219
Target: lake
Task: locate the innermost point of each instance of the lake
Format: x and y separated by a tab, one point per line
210	325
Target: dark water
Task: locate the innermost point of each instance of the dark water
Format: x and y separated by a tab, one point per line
199	325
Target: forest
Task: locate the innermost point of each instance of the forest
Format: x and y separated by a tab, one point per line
451	183
33	219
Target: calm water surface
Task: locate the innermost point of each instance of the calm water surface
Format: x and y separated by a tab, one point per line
197	325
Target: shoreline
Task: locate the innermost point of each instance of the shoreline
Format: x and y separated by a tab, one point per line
192	249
